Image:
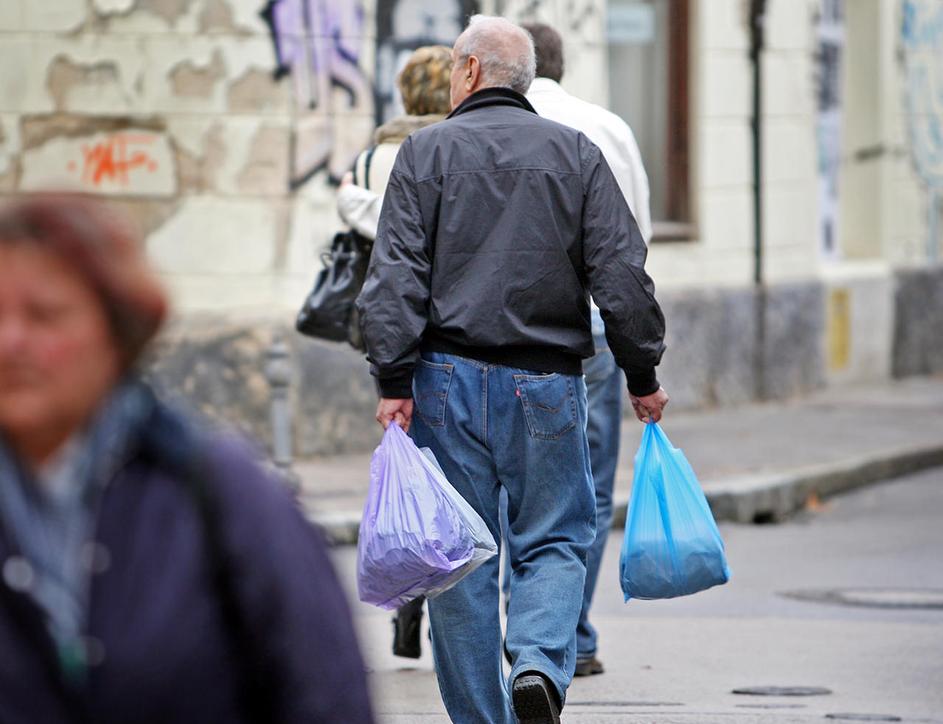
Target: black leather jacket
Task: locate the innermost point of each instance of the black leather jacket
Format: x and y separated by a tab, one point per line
496	226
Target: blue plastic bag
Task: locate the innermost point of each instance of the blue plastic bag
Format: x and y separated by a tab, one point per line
418	535
672	546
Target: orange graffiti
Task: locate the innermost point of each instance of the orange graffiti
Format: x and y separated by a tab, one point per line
114	159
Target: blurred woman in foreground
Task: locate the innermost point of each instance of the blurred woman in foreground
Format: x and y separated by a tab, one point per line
149	571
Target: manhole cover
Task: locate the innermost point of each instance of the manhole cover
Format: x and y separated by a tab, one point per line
783	691
908	598
863	717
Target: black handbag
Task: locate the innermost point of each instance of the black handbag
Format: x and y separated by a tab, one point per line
328	311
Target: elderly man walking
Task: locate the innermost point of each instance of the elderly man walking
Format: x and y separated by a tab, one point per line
603	377
496	226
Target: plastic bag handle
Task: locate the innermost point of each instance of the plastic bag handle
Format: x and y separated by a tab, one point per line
659	439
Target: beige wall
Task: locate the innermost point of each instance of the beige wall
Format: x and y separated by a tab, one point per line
170	107
722	175
179	97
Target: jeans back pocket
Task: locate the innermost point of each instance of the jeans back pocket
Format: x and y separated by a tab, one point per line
549	403
431	382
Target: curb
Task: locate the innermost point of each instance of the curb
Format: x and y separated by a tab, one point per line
772	498
760	498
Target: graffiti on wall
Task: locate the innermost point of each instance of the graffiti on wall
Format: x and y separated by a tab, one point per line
830	35
114	159
922	55
403	26
125	162
317	45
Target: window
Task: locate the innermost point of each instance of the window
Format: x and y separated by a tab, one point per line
648	87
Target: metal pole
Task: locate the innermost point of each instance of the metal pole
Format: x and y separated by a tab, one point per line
933	226
278	374
757	24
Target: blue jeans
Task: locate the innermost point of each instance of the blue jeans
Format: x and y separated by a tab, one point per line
491	428
604	380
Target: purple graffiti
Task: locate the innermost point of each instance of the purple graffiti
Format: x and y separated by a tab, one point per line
317	44
314	41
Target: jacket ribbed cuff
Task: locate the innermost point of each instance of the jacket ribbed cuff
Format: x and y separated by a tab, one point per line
396	387
642	383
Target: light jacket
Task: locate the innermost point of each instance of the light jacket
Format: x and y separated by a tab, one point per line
496	226
613	136
358	204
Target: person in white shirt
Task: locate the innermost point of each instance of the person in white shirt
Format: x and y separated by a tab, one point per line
603	127
604	379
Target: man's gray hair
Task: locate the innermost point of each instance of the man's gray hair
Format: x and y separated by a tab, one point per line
505	51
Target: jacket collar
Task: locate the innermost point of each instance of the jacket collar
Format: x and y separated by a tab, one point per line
396	130
492	97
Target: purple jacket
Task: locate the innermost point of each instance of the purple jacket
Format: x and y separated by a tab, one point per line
161	650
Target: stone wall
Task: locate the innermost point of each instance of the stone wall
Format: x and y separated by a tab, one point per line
918	322
725	347
218	367
733	346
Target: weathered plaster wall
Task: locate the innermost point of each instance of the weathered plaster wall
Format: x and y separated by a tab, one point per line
216	127
219	125
722	173
224	121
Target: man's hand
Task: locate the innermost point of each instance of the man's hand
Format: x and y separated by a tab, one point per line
649	407
394	410
347	178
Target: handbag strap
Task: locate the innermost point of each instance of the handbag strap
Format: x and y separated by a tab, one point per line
367	161
367	157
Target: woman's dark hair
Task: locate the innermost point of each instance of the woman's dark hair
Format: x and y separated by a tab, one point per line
549	48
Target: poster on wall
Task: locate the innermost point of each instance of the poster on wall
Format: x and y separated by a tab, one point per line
830	41
921	40
403	26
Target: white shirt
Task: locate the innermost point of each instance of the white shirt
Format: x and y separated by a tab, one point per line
613	136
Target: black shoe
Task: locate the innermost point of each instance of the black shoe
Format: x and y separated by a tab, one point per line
407	629
535	701
589	667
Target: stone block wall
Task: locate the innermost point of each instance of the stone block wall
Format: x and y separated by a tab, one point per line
218	367
734	346
725	347
918	322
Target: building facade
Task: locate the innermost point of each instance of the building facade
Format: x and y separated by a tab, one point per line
223	125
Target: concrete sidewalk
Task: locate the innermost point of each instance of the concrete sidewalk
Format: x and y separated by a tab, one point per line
756	463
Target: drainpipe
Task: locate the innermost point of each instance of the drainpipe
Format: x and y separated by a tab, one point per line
757	22
757	25
278	375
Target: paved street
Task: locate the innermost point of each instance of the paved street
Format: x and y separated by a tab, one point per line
678	661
